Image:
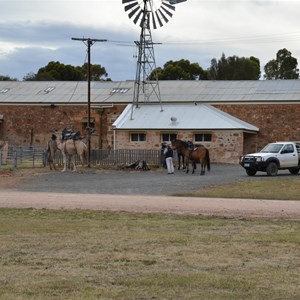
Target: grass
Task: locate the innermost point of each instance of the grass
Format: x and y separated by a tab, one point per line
101	255
272	188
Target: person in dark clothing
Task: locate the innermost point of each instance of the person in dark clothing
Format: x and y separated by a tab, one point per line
169	159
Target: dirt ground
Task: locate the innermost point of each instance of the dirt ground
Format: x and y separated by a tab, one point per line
21	189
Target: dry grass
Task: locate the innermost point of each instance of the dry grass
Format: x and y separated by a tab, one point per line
102	255
271	188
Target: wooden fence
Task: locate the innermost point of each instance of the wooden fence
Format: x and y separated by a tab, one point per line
31	157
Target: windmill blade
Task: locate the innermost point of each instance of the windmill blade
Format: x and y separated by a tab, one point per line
163	16
153	21
168	5
158	19
130	6
127	1
167	12
137	17
132	13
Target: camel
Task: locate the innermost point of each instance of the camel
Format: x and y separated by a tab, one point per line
51	150
68	148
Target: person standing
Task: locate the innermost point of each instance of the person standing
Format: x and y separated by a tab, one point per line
169	159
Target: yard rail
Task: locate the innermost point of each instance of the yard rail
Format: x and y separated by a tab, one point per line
33	157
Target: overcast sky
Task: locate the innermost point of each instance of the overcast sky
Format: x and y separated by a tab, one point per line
35	32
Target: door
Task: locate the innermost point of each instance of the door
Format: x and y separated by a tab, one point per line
288	156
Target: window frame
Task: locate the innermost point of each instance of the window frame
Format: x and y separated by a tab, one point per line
139	135
170	137
204	137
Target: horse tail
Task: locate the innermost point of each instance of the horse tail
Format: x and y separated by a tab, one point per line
207	159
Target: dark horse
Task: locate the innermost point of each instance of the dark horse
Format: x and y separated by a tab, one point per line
193	154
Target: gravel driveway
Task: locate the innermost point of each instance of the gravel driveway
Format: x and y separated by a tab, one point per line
130	182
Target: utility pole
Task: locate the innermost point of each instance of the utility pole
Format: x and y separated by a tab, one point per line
89	43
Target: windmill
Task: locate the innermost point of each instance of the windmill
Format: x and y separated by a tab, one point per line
147	14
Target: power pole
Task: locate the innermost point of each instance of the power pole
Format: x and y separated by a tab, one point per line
89	43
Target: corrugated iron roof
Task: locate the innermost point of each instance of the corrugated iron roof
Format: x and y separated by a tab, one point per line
66	92
179	116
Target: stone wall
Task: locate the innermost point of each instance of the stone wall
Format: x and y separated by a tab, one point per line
276	122
226	145
33	125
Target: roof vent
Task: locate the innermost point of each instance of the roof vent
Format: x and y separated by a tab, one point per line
173	119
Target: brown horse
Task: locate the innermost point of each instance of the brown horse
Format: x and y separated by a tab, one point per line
193	154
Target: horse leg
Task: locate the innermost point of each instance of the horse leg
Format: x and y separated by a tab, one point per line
202	168
187	166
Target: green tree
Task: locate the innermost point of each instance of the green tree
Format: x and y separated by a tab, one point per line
97	72
283	67
235	68
7	78
61	72
180	70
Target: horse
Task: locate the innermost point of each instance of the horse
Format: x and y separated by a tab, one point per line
180	157
69	148
193	154
51	150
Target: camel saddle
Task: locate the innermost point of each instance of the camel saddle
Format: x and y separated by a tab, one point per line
68	134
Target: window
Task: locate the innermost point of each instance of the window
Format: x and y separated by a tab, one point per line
168	137
84	123
202	137
138	137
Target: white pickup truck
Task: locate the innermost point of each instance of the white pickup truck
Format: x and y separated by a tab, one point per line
273	157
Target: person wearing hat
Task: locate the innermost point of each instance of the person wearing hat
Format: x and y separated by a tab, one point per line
168	152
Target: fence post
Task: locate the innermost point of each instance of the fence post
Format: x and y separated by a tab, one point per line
15	160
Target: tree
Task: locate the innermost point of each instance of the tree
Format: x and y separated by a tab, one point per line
7	78
180	70
58	71
283	67
97	72
235	68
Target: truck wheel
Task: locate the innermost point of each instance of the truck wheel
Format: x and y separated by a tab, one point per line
272	169
294	171
250	172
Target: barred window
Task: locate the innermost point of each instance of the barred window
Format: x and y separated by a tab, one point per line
138	137
202	137
168	137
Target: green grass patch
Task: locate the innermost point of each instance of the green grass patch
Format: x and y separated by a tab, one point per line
271	188
102	255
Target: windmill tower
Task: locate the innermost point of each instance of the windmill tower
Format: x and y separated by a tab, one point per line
148	14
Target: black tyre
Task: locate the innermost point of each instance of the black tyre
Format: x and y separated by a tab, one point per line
294	171
272	169
250	172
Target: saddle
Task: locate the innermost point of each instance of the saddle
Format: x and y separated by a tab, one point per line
68	134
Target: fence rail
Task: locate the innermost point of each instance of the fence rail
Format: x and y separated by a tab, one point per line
31	157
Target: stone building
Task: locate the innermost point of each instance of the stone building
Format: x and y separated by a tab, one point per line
228	117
